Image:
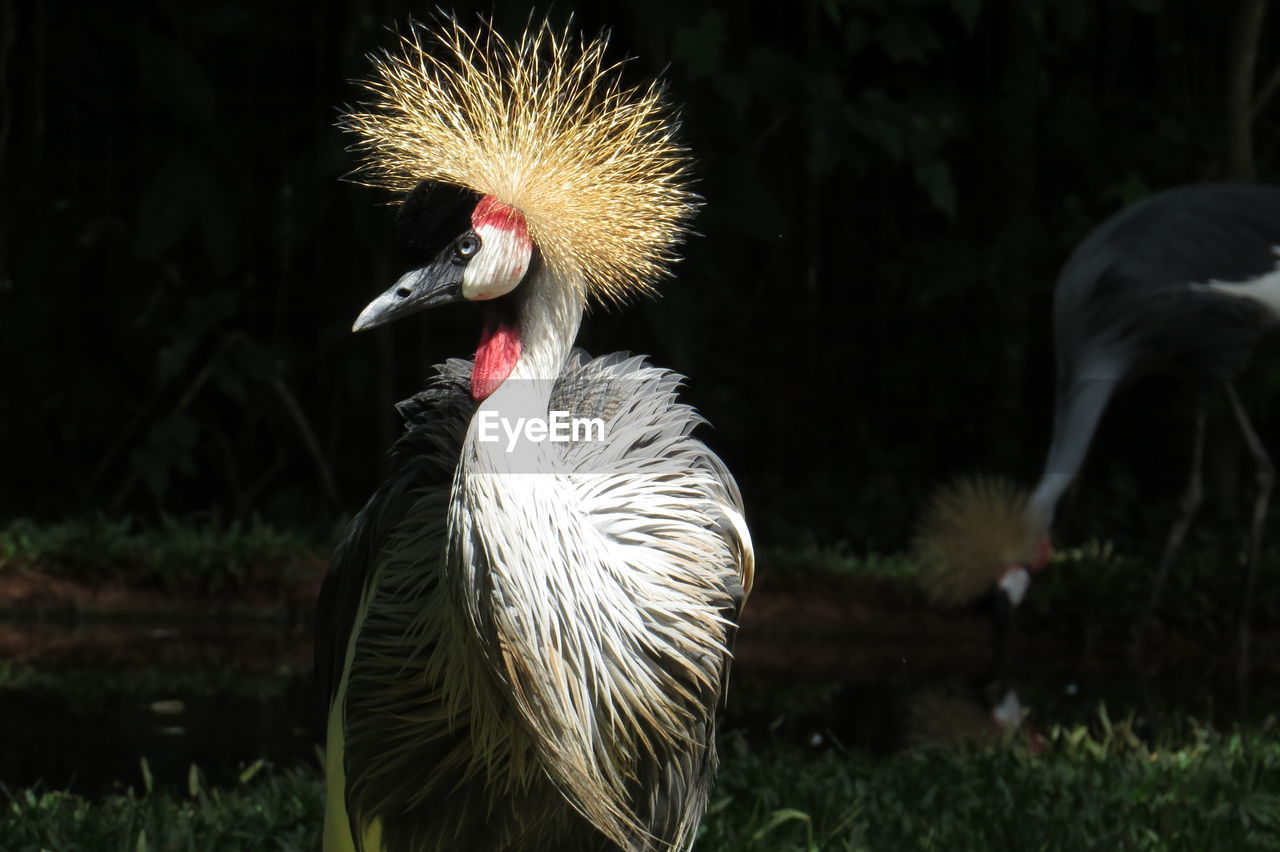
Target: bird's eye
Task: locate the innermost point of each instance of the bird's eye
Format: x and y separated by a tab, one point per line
467	246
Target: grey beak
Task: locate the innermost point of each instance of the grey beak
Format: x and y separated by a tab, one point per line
432	285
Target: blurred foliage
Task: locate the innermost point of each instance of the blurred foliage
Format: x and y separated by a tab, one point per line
275	809
802	698
1085	787
1096	787
1098	591
809	560
1095	591
196	558
890	189
94	686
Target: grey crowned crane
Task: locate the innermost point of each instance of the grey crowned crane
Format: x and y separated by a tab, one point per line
522	642
1186	281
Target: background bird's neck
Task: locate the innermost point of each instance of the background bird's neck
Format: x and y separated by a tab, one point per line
1082	399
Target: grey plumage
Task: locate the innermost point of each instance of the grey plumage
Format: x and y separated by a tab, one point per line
1186	282
1138	295
418	692
523	640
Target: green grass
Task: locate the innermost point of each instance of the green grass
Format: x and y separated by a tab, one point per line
1101	790
809	559
191	556
1089	788
274	810
1098	585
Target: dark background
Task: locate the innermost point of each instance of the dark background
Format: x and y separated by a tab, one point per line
890	189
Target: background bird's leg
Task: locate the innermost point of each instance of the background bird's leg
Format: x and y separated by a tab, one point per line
1187	508
1265	477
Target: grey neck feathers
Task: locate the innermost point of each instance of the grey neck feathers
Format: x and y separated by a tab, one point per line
549	315
1081	402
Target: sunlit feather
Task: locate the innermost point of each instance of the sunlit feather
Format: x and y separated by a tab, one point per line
546	125
972	530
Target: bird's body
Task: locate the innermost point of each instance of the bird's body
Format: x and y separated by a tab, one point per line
413	708
523	641
1184	283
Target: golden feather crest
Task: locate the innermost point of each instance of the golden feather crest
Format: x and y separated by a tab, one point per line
972	529
544	125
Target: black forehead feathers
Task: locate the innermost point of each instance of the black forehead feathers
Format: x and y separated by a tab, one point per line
430	217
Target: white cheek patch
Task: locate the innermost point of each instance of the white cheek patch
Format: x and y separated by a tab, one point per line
499	266
1008	714
1014	582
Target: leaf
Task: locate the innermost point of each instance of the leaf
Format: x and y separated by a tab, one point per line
220	227
175	78
1072	17
251	770
934	177
967	11
173	359
171	202
907	38
780	817
194	787
856	36
700	48
148	782
174	438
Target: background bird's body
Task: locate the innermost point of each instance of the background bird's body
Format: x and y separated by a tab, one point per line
1175	284
1185	284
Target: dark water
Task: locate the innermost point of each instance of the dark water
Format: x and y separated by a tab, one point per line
82	705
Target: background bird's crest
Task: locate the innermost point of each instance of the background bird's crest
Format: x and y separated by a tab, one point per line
973	528
542	124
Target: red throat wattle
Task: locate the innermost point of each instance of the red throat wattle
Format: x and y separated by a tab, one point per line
496	358
1044	552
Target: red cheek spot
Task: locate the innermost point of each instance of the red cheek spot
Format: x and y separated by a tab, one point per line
1044	552
495	359
492	213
